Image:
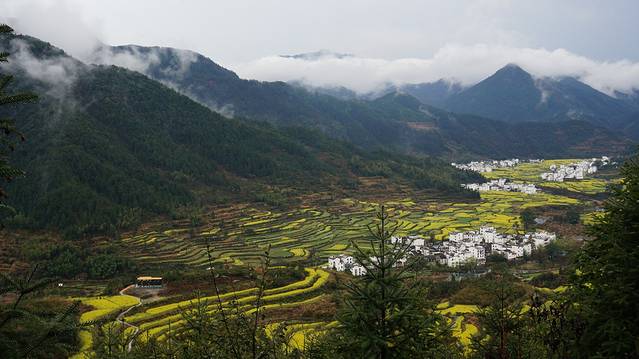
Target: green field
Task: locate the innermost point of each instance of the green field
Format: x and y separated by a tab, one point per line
530	172
305	232
102	307
239	235
155	321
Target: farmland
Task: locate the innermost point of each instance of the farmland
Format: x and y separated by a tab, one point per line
238	236
103	307
530	173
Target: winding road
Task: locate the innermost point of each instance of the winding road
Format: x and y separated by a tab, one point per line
120	317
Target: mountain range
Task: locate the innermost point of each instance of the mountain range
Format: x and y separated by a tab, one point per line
513	95
410	126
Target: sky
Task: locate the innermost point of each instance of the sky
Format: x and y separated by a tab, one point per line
400	41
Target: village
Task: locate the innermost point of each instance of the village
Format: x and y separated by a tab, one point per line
502	184
460	248
577	171
490	165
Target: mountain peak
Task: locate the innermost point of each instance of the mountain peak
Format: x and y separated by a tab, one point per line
314	56
512	70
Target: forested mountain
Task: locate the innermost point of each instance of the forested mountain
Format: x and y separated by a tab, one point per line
426	129
433	93
513	95
105	144
370	124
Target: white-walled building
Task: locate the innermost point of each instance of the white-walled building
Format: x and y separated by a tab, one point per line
358	270
503	185
540	239
341	262
577	171
460	248
486	166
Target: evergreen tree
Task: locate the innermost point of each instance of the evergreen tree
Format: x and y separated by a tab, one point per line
606	282
504	332
386	314
7	125
27	328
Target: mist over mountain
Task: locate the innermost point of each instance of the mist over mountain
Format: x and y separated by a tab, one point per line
317	55
340	114
433	93
512	94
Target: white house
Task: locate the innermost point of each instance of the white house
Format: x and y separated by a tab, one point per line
339	263
358	270
578	170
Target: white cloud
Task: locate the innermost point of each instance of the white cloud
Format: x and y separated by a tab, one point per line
420	41
56	21
131	58
57	72
466	64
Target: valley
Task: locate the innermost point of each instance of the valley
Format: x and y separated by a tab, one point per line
235	239
176	190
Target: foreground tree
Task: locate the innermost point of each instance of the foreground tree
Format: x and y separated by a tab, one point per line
32	327
606	284
7	125
386	314
506	330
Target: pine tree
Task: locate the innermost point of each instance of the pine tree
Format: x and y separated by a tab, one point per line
606	281
386	314
7	125
500	323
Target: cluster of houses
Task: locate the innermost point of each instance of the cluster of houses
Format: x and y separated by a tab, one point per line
502	184
486	166
474	245
577	171
490	165
460	248
343	263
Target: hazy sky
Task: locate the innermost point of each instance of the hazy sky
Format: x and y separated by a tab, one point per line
246	35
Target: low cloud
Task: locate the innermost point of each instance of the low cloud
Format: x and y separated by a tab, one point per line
130	58
55	21
57	73
465	64
167	65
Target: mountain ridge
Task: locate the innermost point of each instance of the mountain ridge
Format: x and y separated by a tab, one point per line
357	120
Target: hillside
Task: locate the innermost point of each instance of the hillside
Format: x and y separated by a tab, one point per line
433	93
430	130
106	146
370	124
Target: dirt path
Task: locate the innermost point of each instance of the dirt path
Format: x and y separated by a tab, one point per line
120	317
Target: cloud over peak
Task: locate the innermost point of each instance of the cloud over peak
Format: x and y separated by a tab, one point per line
461	63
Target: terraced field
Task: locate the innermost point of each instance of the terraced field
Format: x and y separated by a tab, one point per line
530	172
102	308
239	235
157	320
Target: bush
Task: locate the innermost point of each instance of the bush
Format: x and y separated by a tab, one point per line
106	265
548	280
